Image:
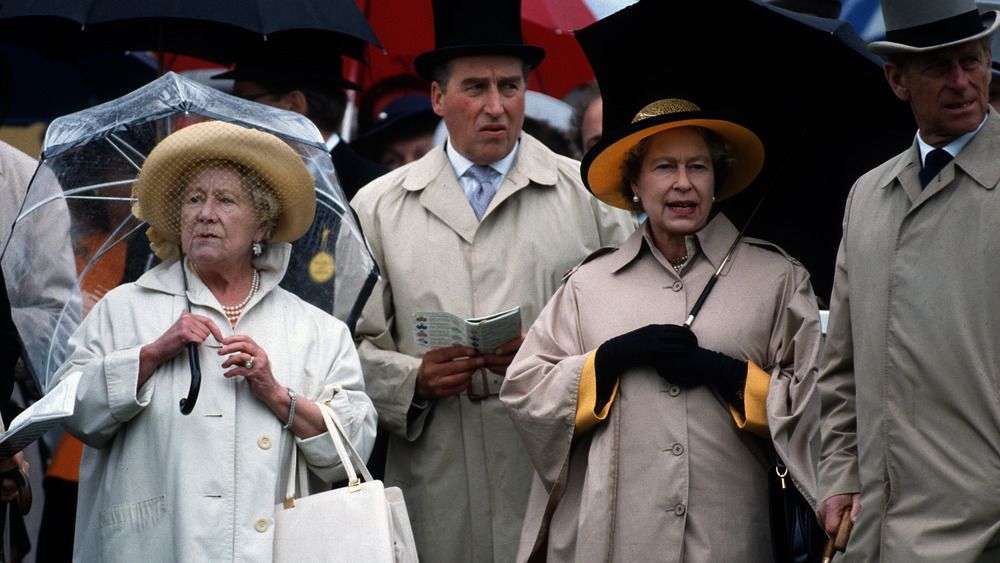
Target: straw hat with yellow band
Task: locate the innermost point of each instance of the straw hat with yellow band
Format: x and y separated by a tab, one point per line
282	170
601	167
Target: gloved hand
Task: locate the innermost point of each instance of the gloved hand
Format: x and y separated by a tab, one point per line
641	346
689	365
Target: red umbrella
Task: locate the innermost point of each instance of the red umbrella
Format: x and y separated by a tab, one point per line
406	29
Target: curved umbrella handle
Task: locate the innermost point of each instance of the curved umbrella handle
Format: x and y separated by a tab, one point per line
187	404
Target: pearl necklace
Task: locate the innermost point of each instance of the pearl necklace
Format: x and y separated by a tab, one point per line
678	264
233	313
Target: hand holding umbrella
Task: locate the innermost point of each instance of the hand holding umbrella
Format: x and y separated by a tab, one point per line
839	543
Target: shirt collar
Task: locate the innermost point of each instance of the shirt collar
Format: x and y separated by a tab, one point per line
332	141
461	164
952	148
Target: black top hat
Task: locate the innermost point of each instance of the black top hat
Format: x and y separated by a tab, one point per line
464	28
292	68
918	26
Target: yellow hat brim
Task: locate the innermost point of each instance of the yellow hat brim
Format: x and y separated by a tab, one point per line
602	170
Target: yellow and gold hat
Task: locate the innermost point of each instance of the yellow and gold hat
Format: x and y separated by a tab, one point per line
601	168
284	173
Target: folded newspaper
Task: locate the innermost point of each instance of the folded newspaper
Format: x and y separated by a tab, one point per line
437	329
40	417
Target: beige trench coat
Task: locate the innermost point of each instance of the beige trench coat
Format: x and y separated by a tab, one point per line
161	486
667	475
462	469
911	369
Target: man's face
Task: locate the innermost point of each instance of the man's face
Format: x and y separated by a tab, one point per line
482	105
948	90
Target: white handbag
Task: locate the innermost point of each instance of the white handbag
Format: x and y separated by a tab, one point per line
363	521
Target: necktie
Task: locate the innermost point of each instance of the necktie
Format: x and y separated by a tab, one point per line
933	163
482	195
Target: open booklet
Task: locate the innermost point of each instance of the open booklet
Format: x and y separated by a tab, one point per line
437	329
41	416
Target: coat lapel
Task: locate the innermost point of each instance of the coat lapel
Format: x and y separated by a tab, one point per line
442	196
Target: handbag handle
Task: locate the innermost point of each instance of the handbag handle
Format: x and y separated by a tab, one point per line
339	436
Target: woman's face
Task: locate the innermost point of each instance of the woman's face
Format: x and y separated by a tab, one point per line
676	182
218	221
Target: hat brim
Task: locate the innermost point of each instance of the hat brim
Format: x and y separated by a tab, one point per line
425	63
281	167
601	167
991	20
322	82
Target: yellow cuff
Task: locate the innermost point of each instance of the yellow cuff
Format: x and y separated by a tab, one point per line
754	415
586	398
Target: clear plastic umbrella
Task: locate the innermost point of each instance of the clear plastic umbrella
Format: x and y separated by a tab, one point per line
75	237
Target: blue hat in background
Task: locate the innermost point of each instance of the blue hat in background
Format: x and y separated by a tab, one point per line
409	114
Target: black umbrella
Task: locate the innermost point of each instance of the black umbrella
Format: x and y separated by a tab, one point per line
807	86
213	31
40	90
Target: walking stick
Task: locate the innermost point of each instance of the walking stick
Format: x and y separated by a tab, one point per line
839	543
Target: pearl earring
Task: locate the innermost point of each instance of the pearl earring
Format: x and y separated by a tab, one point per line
258	249
635	198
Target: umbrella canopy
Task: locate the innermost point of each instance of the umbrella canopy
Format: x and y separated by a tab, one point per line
83	185
407	30
807	86
41	90
213	31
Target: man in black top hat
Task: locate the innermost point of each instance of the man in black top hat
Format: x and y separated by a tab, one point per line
314	87
486	222
908	381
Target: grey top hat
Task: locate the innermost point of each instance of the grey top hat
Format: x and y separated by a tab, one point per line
918	26
995	66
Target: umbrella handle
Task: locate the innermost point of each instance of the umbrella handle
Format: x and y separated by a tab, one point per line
701	299
187	404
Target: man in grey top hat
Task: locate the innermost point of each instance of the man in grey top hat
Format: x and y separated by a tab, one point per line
910	371
441	247
995	62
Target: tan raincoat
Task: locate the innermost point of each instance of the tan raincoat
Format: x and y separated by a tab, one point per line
911	368
462	469
666	472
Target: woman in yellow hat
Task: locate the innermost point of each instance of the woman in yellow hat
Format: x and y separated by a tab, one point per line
154	483
652	439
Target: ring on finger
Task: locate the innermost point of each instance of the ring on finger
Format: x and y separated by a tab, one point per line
249	363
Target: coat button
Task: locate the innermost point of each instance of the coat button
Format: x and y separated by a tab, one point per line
678	449
261	525
675	390
678	285
679	510
264	442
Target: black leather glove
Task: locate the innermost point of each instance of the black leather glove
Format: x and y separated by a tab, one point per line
690	365
641	346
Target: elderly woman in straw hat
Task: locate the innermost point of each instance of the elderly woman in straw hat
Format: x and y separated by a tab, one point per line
649	437
203	487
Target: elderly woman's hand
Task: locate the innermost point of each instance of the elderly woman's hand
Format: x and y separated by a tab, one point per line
188	328
249	360
641	346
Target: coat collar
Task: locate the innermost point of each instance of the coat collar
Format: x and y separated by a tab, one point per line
973	160
166	277
714	241
439	190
